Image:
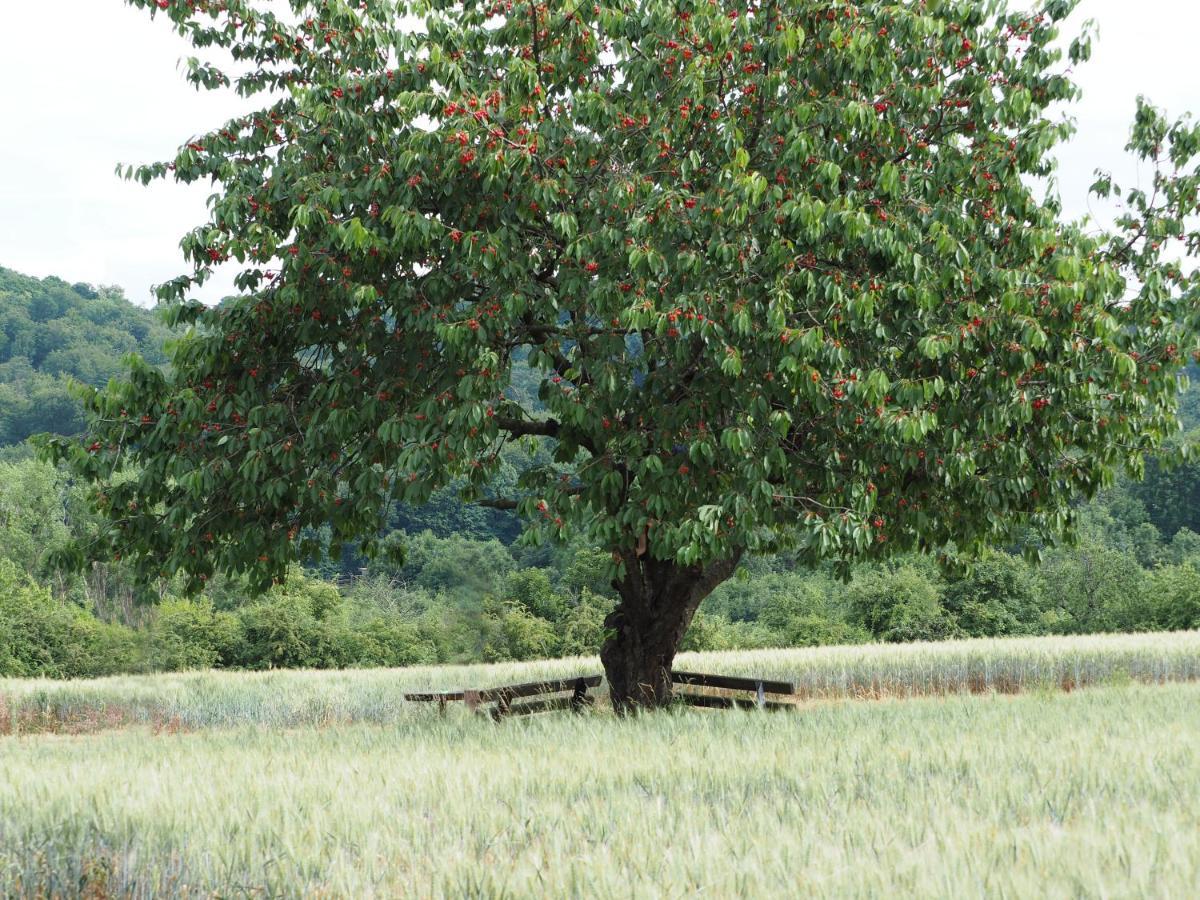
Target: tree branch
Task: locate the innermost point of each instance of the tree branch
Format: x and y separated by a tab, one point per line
497	503
526	428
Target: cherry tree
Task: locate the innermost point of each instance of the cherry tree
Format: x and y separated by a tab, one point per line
783	272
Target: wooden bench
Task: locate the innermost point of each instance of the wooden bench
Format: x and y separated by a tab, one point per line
498	701
759	687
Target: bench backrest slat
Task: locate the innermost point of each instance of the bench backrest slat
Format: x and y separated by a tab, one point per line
533	688
733	683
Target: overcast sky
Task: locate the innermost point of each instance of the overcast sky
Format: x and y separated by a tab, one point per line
93	83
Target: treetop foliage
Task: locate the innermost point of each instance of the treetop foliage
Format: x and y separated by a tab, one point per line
779	270
51	333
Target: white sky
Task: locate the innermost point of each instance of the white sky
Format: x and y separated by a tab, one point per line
93	83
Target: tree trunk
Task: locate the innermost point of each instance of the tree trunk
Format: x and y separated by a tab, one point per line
657	602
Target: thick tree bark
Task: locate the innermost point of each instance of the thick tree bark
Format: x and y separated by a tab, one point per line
658	601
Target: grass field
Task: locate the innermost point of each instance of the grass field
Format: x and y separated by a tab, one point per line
324	784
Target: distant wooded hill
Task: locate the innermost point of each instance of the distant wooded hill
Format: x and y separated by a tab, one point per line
51	331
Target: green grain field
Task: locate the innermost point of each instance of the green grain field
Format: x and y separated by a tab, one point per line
997	783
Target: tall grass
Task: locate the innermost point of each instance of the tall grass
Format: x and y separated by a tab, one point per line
290	699
1091	793
1001	665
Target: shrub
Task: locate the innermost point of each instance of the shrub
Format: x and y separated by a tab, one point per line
33	630
457	566
899	606
299	624
511	632
582	627
44	637
706	633
1184	547
388	641
999	596
190	634
1174	593
1097	589
819	631
531	590
97	649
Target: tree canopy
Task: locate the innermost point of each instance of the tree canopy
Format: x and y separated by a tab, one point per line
783	274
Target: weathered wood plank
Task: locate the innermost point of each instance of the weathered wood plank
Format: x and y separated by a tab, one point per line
513	691
531	707
733	683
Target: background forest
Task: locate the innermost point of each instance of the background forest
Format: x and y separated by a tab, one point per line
467	590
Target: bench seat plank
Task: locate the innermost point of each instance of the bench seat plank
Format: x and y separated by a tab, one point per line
533	688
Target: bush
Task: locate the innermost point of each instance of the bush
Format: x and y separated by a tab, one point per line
704	633
531	590
819	631
33	633
190	634
98	649
999	596
511	632
1097	589
1184	547
1175	597
784	599
48	638
587	570
457	566
301	624
899	606
582	627
388	641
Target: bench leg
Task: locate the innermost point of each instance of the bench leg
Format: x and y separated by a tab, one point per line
579	698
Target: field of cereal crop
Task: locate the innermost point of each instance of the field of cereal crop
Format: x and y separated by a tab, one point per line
306	783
